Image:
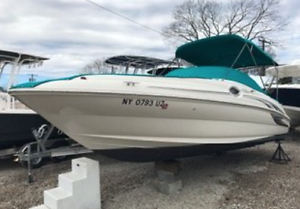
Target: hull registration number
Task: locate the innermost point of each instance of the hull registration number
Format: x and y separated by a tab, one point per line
145	102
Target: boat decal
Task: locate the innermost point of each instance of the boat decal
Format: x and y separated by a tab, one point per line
164	106
145	102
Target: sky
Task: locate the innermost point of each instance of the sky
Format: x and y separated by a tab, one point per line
73	33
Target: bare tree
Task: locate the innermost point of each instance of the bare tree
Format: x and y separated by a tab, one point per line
251	19
95	67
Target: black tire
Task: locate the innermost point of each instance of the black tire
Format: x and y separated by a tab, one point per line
36	162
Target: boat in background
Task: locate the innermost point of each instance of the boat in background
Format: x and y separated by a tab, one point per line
134	64
206	108
287	90
16	119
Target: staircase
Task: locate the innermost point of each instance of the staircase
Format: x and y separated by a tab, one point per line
77	189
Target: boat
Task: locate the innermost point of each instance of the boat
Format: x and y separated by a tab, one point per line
286	90
207	107
149	65
17	120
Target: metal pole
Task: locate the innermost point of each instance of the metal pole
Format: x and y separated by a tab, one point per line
30	179
263	45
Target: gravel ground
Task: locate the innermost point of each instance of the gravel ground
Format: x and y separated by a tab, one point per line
239	179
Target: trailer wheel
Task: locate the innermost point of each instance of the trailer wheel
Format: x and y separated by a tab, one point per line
36	162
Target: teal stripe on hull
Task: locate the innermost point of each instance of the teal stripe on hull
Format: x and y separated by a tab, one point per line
206	72
37	83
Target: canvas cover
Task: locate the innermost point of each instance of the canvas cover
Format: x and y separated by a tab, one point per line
224	50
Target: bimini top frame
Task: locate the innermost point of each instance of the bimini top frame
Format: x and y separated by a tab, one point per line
16	60
137	62
229	50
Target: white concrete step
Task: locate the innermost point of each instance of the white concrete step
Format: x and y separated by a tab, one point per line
82	167
40	207
55	198
67	181
79	189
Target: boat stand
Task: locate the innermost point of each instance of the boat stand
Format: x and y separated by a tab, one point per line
279	155
167	180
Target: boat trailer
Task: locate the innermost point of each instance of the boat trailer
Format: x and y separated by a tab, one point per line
33	154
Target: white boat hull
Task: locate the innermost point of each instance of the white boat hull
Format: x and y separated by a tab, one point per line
288	96
117	119
294	114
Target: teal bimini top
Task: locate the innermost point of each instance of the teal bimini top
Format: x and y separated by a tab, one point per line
224	50
215	72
